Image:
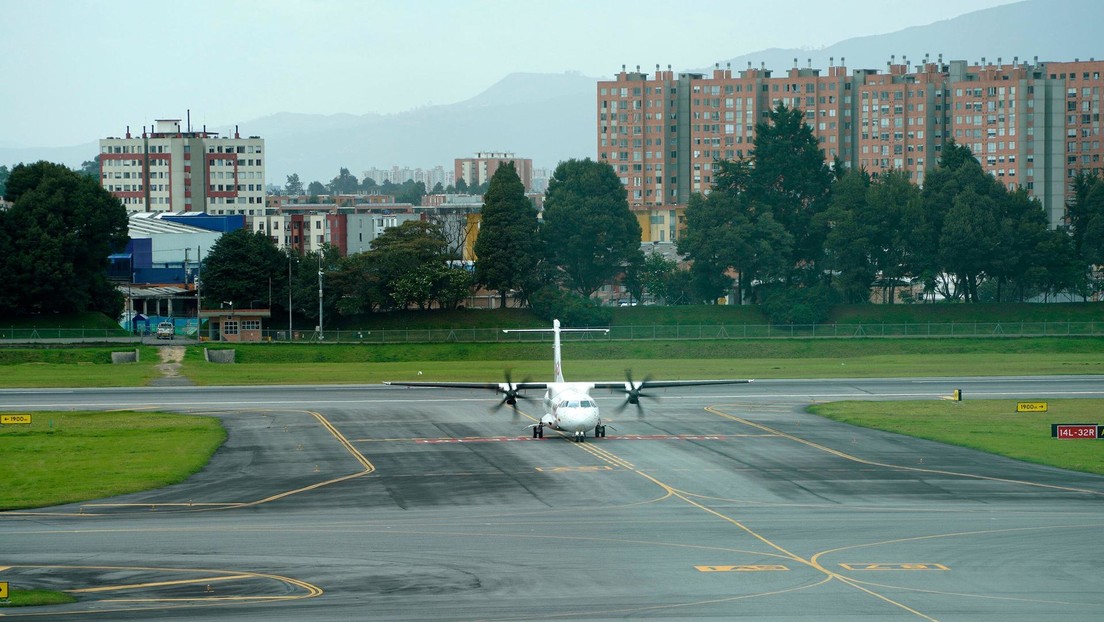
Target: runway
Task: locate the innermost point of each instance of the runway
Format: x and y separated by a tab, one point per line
387	503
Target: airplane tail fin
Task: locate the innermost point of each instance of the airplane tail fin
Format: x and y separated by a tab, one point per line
557	358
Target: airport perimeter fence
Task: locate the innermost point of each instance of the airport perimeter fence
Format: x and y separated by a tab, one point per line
616	333
707	332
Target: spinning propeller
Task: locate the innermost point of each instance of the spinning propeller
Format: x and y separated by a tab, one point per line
633	392
511	392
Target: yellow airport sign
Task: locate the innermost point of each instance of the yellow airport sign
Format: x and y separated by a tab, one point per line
1031	407
3	590
14	419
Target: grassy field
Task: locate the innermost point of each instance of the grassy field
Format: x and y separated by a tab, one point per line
34	598
75	367
306	364
993	426
66	457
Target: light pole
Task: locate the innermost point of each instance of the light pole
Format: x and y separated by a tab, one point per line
321	336
289	298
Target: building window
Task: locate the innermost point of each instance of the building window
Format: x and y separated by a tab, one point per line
230	327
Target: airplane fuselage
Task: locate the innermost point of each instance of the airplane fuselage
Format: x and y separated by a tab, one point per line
568	407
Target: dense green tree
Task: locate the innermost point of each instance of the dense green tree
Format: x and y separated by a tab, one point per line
4	174
852	237
293	187
57	237
315	188
369	186
438	188
414	247
790	179
507	248
243	267
344	183
91	168
590	236
968	242
650	277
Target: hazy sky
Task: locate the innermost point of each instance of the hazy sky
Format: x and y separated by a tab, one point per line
74	71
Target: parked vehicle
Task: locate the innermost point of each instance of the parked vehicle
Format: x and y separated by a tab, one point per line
166	330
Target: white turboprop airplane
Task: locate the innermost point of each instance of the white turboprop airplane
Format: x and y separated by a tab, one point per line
568	405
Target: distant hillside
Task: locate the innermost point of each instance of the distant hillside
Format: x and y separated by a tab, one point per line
1053	30
546	117
551	117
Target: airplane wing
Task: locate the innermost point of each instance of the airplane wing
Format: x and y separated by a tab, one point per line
498	387
661	384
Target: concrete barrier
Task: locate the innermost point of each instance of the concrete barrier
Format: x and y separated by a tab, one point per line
124	357
218	356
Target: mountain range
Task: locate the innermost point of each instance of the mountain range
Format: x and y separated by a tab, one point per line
551	117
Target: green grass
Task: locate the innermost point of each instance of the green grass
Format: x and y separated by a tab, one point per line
992	426
34	598
313	363
89	320
75	367
66	457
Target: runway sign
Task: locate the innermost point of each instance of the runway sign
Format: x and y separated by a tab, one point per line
14	419
1066	431
3	590
1031	407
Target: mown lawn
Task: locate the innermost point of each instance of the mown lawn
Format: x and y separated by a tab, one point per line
992	426
66	457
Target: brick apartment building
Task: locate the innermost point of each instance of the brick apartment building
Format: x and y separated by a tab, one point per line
1034	125
479	169
174	169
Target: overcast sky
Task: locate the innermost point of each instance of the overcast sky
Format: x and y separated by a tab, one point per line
74	71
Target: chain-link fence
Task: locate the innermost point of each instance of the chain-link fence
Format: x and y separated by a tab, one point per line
616	333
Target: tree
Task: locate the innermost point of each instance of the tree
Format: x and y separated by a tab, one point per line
243	267
314	189
506	249
650	277
91	168
293	187
438	188
57	237
344	183
852	237
589	234
403	260
4	174
789	178
968	241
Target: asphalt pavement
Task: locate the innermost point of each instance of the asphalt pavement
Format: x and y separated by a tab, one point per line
387	503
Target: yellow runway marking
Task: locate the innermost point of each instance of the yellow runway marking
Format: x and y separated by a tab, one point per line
746	568
882	566
133	586
851	458
686	498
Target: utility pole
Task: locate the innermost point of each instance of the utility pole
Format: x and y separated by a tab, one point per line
321	336
289	298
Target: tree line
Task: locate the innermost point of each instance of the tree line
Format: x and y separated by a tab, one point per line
786	230
345	182
782	229
588	237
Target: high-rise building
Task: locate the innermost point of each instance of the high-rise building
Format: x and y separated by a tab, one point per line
1034	125
174	169
479	169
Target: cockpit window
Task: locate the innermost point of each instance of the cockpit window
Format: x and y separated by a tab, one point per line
587	404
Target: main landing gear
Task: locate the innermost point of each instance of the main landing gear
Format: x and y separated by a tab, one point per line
599	431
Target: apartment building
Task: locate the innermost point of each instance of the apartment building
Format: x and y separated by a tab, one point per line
1034	125
479	169
173	169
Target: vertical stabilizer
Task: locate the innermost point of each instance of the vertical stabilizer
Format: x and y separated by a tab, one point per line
557	358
